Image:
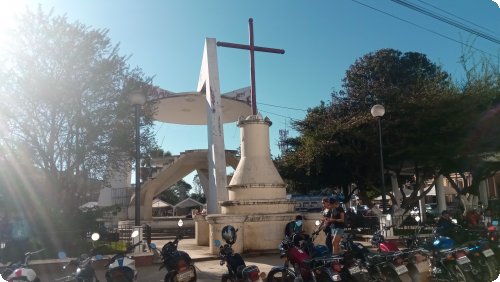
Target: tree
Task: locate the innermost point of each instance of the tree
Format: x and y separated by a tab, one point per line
197	191
64	106
176	193
431	127
65	115
339	141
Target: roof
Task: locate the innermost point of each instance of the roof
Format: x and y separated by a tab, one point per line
188	202
157	203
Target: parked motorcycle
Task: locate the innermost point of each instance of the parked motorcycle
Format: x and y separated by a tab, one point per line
121	268
450	263
309	262
483	258
21	271
238	271
84	269
480	253
179	265
382	266
493	239
415	258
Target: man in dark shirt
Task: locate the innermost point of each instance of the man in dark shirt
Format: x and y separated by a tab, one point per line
444	224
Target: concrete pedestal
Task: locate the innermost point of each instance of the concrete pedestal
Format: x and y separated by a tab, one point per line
201	230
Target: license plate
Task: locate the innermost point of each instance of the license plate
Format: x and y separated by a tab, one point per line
185	276
401	269
488	253
462	260
354	270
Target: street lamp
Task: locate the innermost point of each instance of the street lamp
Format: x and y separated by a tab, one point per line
137	99
378	111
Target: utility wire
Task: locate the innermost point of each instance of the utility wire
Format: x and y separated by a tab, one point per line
283	107
447	20
465	20
424	28
293	119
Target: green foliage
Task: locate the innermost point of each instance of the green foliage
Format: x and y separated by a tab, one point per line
431	126
176	193
66	121
64	102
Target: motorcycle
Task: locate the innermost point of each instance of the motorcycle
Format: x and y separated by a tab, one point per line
479	250
309	262
483	257
382	266
179	265
84	270
21	271
238	271
493	239
415	258
121	267
450	263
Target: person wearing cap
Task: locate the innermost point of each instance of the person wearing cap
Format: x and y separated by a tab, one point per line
336	224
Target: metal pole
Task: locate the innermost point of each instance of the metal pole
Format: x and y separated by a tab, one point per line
252	68
137	167
384	210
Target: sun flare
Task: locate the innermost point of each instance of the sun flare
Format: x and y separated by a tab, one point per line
9	14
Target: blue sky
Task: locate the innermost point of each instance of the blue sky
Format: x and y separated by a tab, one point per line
321	39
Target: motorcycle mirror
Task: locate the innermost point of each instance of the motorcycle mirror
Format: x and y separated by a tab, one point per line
152	246
95	236
99	257
217	243
317	222
454	220
180	223
61	255
135	234
417	218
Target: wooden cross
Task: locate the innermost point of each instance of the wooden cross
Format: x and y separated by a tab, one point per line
252	49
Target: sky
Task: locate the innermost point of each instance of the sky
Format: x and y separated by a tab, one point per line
322	39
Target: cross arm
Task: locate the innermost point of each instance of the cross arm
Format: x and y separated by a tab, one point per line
247	47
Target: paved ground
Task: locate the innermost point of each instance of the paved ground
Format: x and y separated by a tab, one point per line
208	271
207	266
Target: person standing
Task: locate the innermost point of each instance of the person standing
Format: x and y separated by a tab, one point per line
325	223
336	224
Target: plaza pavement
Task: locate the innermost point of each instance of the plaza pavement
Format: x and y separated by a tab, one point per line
207	265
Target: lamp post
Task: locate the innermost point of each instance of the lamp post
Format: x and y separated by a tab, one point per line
378	111
137	99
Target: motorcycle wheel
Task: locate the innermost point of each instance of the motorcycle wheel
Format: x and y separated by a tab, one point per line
461	275
281	276
226	278
491	267
169	277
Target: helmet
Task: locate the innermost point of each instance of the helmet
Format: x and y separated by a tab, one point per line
229	234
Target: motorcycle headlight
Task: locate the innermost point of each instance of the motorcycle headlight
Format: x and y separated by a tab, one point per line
78	270
336	277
